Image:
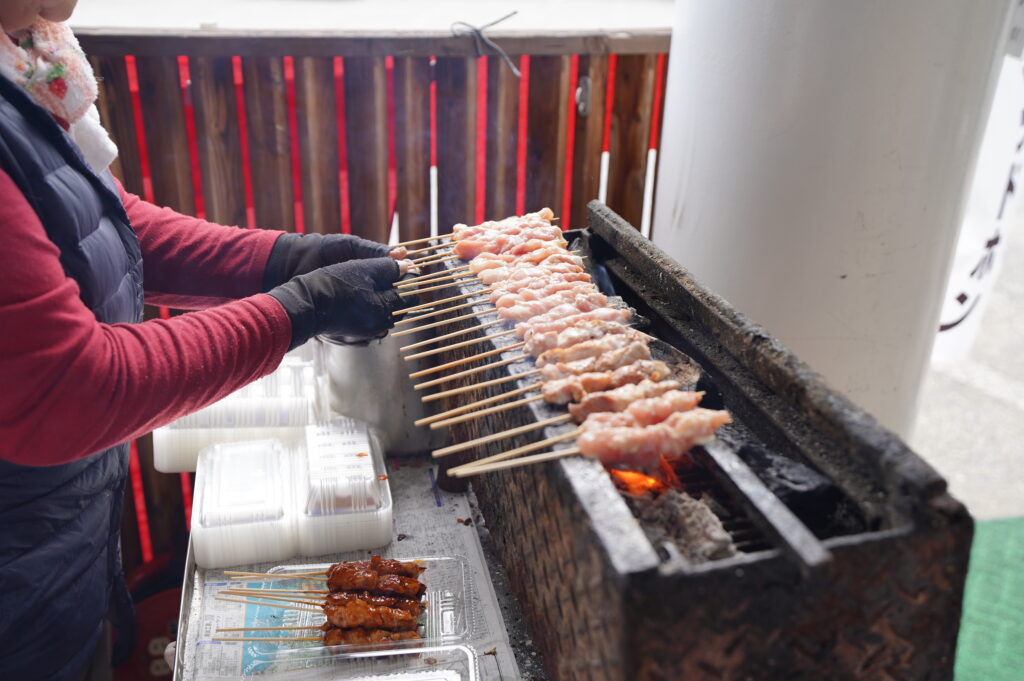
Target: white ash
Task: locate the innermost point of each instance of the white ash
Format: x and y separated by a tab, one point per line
676	517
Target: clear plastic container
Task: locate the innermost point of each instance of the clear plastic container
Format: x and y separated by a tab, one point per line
241	509
447	624
262	501
344	502
277	406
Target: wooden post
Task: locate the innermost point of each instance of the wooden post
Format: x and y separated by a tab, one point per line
266	112
586	173
456	140
412	141
217	136
366	124
502	138
546	130
318	143
115	106
163	118
630	135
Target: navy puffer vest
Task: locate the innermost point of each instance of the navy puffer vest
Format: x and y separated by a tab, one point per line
60	568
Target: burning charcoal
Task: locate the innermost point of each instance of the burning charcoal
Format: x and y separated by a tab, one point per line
676	517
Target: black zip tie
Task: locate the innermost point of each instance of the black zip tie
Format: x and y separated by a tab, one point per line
460	28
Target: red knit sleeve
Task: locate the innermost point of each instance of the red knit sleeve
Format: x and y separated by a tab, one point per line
192	264
73	386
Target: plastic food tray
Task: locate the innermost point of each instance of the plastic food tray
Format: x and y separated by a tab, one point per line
446	625
261	501
277	406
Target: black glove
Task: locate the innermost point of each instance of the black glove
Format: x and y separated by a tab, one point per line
295	254
351	301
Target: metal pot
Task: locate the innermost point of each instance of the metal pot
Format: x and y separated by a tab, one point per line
371	383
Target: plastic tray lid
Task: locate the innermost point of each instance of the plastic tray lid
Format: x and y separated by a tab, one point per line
341	469
241	483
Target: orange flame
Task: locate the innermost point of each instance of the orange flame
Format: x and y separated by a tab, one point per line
635	483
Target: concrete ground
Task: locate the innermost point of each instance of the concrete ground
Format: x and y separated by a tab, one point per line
970	424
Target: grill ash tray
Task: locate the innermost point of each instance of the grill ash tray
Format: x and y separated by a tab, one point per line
447	625
851	555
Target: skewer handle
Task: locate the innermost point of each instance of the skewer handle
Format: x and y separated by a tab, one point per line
466	360
468	372
462	446
453	334
269	640
525	449
484	412
424	240
446	348
515	463
478	386
473	405
431	275
443	300
429	258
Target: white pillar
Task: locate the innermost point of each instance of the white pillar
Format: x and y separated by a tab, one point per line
813	166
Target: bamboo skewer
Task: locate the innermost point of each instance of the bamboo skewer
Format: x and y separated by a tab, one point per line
418	291
446	321
477	386
269	640
223	630
426	258
473	405
249	601
431	275
512	453
453	334
516	463
275	592
453	346
280	599
426	248
443	300
468	372
486	439
436	276
466	360
423	240
446	258
274	575
484	412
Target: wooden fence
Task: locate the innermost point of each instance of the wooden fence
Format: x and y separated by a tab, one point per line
334	132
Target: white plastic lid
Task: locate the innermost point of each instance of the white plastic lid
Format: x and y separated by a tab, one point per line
242	483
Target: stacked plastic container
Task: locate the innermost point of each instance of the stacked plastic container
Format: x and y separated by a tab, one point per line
263	500
278	406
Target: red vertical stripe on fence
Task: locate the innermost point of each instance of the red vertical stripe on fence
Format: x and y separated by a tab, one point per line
570	141
389	68
339	108
524	101
481	140
433	118
185	81
659	93
141	516
186	499
243	138
609	100
293	143
140	141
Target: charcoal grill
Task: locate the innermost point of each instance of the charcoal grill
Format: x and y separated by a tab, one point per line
852	554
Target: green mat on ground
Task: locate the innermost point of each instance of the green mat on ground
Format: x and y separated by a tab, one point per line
991	644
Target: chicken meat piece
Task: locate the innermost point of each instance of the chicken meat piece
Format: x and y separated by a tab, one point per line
590	348
574	388
647	402
359	613
579	302
558	322
641	448
606	362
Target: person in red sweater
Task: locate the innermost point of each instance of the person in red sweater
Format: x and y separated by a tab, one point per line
81	374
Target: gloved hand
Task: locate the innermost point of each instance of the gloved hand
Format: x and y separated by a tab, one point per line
352	301
295	254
